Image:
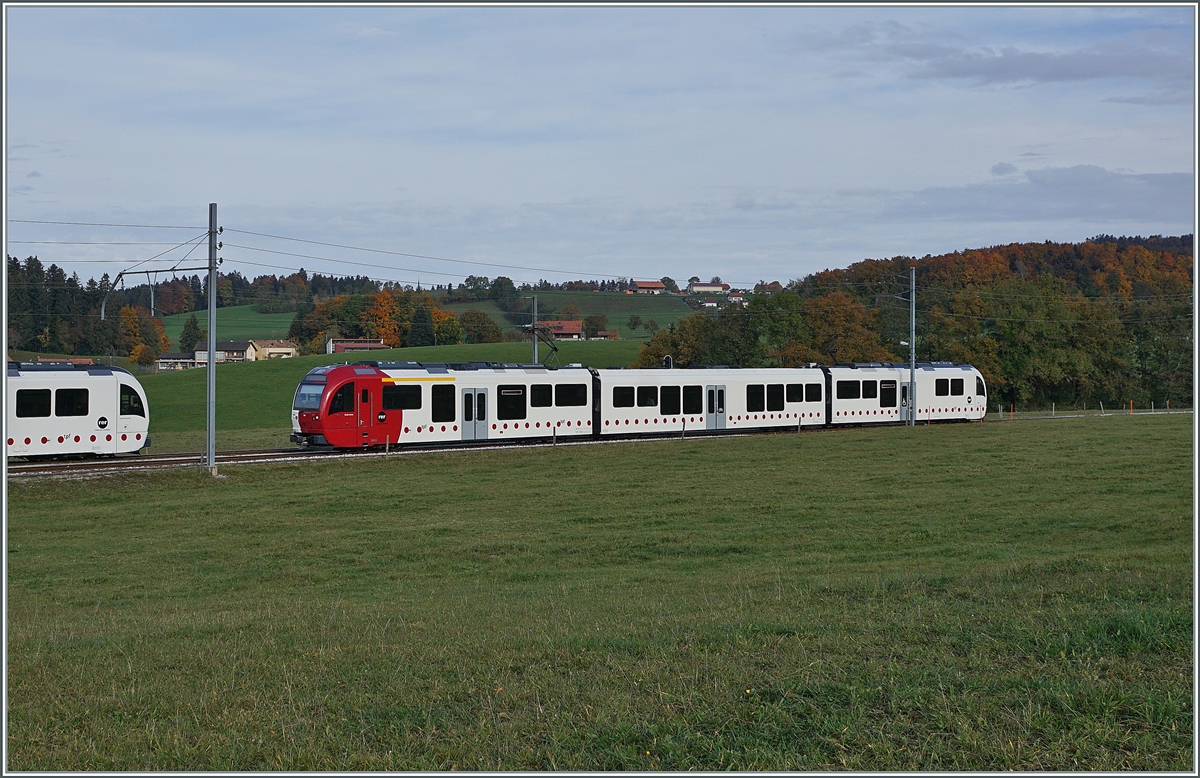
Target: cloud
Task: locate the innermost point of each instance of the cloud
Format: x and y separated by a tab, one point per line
1083	193
1003	169
1163	59
34	174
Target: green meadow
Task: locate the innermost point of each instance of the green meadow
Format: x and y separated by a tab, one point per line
238	322
959	597
617	306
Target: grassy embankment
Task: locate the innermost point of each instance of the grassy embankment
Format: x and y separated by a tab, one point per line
971	597
254	399
238	322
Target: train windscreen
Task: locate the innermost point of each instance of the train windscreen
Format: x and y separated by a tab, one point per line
308	397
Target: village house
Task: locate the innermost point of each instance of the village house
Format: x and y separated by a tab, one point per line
697	287
648	287
226	351
272	349
174	360
563	330
342	345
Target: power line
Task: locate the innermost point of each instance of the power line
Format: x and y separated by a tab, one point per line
296	269
414	256
101	224
91	243
339	261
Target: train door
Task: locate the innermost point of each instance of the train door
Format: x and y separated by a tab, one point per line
714	419
474	414
341	418
367	403
907	399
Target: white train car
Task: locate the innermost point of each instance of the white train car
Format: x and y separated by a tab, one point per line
57	409
719	398
873	392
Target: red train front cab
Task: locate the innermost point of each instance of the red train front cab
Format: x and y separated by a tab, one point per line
342	406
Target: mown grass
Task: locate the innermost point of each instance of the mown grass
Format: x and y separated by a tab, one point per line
237	322
258	395
950	597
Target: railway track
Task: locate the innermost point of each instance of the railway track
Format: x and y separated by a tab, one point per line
146	462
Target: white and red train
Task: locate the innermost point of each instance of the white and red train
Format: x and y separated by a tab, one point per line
407	403
57	409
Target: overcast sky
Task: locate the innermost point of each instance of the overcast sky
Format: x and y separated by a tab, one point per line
750	143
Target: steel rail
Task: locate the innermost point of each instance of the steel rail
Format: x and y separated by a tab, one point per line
149	462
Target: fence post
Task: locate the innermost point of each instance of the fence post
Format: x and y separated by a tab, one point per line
1052	410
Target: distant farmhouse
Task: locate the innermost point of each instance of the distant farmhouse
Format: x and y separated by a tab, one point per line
563	330
648	287
697	287
342	345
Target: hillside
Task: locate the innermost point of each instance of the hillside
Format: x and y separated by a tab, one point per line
240	322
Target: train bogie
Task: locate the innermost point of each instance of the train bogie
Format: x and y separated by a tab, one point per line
60	409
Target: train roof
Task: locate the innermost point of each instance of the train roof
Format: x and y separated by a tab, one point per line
905	365
435	368
22	368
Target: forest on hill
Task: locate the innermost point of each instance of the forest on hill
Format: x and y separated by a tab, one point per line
1105	320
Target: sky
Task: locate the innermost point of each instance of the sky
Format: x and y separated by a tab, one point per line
568	142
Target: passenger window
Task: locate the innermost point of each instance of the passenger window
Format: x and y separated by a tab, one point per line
812	393
693	399
956	387
795	393
32	403
668	400
541	396
848	390
401	398
131	401
622	396
942	387
755	400
511	404
441	402
71	402
647	396
774	397
870	390
887	394
567	395
979	390
341	402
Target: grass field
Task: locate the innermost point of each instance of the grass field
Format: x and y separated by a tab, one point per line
32	356
239	322
617	306
258	395
966	597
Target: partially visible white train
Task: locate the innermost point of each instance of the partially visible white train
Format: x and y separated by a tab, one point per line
57	409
